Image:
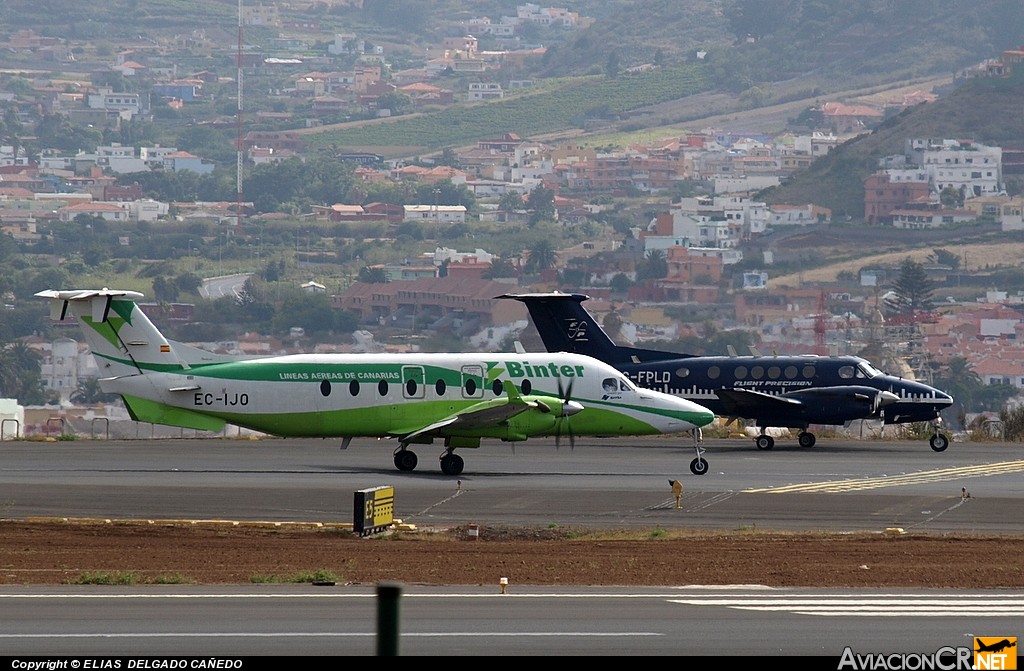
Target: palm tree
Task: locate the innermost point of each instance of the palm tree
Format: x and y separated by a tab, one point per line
959	380
542	256
20	373
89	392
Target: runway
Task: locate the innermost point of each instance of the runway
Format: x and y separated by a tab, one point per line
838	486
835	486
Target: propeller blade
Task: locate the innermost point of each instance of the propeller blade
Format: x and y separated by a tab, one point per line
569	408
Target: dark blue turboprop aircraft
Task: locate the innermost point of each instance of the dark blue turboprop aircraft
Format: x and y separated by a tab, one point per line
772	391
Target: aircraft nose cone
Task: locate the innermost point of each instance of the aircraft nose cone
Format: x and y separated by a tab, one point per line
570	408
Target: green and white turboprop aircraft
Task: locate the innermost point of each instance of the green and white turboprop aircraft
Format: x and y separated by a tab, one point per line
414	398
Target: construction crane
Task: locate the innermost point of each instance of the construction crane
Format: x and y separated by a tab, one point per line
820	326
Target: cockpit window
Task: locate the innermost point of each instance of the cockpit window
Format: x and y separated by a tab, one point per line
846	372
613	385
867	370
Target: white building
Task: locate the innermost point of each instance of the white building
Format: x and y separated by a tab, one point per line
12	419
449	214
959	164
147	209
484	91
64	365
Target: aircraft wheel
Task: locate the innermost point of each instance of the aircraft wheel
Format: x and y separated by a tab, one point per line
452	464
807	439
764	442
939	442
405	460
699	466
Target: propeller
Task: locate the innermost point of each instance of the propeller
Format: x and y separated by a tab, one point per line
569	408
884	398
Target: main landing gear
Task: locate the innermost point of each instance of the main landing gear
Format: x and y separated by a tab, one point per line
699	466
766	442
406	460
806	439
451	463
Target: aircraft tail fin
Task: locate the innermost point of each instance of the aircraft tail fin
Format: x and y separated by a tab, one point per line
121	337
566	326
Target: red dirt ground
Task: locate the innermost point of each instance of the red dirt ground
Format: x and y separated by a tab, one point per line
55	553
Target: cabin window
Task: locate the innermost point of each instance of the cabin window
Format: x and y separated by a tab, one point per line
497	387
440	387
382	387
808	372
774	372
740	372
410	387
846	372
526	387
757	372
353	387
790	372
474	382
325	388
683	372
714	372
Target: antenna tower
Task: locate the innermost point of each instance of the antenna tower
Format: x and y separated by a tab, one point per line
238	128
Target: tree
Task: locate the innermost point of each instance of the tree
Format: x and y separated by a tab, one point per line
373	275
952	197
944	257
612	66
500	268
511	201
541	203
620	283
542	257
398	103
654	267
20	374
959	380
913	289
89	392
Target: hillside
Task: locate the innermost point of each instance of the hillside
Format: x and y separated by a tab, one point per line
986	110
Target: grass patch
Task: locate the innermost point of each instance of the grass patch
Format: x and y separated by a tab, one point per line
105	578
264	579
315	576
176	579
128	578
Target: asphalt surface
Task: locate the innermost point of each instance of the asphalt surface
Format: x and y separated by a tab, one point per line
838	485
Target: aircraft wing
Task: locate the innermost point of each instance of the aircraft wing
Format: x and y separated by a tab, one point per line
747	403
483	415
825	405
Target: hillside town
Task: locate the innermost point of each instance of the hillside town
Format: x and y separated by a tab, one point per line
700	189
